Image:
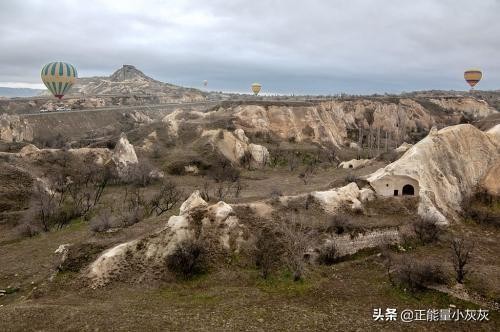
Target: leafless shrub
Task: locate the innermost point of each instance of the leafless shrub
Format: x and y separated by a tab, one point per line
350	178
176	168
267	251
28	228
246	160
296	242
292	161
134	207
165	199
461	257
307	174
340	224
275	193
141	174
426	230
416	275
103	221
205	192
328	254
187	259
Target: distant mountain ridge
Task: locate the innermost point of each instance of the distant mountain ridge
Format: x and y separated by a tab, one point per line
19	92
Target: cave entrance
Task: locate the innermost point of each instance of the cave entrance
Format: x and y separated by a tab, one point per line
408	190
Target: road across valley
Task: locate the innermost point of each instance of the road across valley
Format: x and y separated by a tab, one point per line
127	108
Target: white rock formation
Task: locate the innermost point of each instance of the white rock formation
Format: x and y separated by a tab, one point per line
15	129
124	155
218	223
446	166
172	122
28	150
355	163
403	147
332	200
469	106
233	146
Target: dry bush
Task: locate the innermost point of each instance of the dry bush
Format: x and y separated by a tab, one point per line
141	174
268	251
308	173
350	178
189	258
28	228
275	193
296	240
246	160
426	230
461	256
416	275
134	206
328	254
205	192
176	168
223	171
483	208
103	221
340	224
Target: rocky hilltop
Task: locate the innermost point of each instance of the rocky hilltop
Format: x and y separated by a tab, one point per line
130	80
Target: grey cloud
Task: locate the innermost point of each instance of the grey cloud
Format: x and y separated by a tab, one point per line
313	46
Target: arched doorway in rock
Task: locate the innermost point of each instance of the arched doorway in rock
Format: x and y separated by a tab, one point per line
408	190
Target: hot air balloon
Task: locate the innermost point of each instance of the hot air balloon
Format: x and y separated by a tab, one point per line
473	76
256	88
205	83
58	77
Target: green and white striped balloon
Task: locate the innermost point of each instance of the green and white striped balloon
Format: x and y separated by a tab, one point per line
58	77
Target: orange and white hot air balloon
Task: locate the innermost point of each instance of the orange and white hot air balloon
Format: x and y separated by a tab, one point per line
473	76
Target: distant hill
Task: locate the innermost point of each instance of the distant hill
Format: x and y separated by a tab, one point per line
19	92
128	80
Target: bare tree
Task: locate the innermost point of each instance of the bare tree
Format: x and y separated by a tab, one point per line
461	256
308	172
401	119
296	242
165	199
45	205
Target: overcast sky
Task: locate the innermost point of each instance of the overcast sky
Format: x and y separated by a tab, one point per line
290	46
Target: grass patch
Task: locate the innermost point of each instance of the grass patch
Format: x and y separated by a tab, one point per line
283	284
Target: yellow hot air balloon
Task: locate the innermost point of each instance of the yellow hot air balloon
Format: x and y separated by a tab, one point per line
473	76
58	77
256	88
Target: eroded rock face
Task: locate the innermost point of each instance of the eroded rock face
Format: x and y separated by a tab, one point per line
328	122
469	106
15	129
235	145
172	123
446	166
124	155
216	222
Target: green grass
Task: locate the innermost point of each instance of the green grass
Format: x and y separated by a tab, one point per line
283	284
